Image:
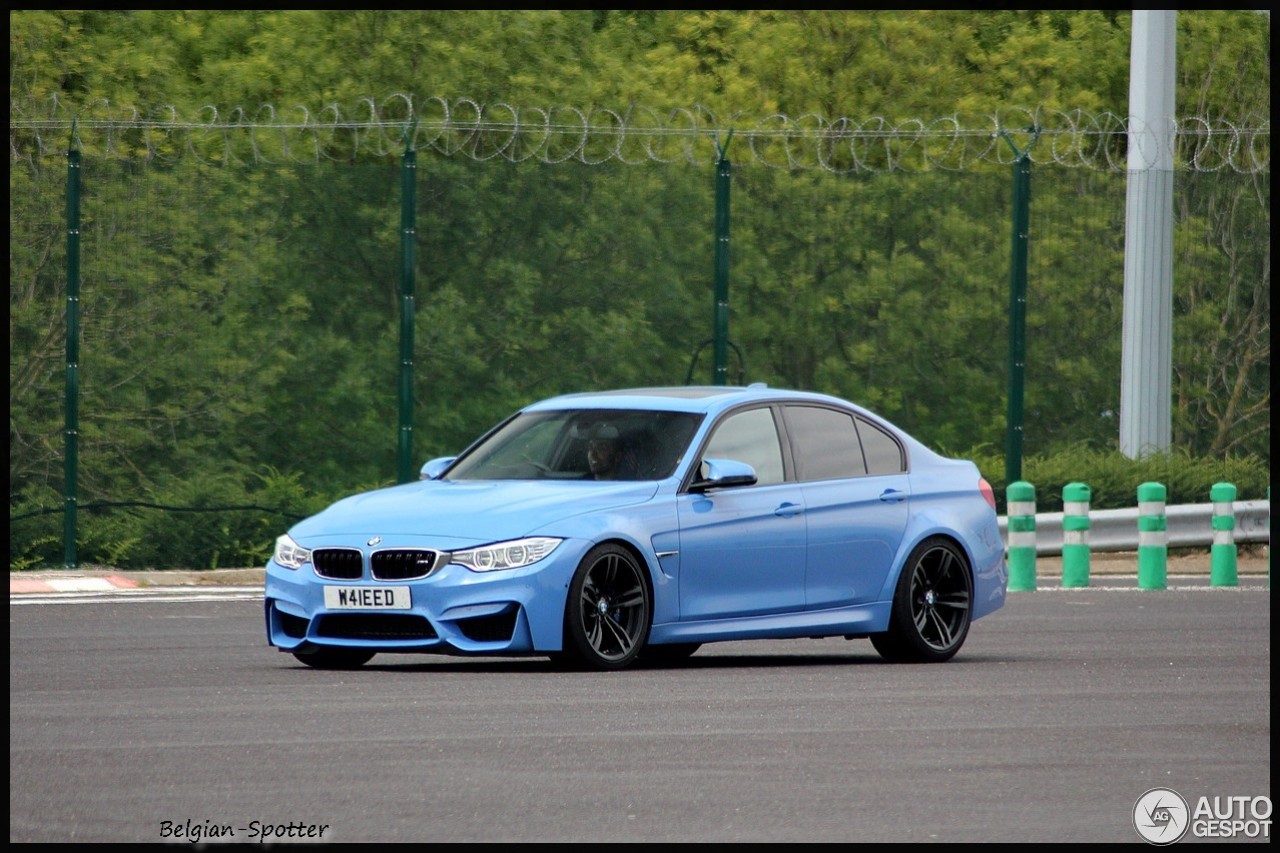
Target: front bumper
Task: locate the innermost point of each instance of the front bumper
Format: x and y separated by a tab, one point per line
451	611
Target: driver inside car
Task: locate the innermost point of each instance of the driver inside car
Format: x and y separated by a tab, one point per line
604	455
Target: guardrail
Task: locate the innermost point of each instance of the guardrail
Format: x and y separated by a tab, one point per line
1189	526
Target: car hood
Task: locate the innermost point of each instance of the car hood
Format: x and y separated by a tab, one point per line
482	511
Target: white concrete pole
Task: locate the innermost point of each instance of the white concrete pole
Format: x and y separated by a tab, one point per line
1146	374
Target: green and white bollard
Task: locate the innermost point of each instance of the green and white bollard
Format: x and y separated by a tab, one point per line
1022	536
1153	537
1075	534
1222	557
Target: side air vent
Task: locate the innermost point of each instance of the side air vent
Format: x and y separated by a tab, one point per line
489	629
292	626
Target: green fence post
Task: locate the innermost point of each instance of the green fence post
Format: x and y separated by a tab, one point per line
1021	498
1021	221
1153	537
408	234
1222	557
720	316
1075	534
71	435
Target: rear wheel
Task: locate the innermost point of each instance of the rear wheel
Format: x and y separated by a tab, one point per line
329	658
932	606
608	613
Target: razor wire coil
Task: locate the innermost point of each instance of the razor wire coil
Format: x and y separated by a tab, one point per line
373	129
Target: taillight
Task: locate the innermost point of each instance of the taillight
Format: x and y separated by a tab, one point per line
987	491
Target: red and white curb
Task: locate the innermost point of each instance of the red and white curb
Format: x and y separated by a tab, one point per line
47	585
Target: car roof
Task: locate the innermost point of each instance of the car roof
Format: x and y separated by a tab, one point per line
680	398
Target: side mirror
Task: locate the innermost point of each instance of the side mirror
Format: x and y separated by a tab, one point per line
722	474
434	468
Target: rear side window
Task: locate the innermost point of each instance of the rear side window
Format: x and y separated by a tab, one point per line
884	454
824	443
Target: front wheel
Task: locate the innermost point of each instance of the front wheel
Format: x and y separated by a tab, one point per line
330	658
608	614
932	606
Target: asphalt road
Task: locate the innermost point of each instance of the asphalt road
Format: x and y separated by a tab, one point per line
142	721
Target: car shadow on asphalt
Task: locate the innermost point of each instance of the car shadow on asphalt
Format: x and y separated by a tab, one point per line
716	661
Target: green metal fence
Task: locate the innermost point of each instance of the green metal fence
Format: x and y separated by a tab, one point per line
256	331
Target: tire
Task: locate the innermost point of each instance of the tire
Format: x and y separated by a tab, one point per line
932	606
330	658
669	652
609	609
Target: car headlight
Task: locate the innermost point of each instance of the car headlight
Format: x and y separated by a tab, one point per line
505	555
290	554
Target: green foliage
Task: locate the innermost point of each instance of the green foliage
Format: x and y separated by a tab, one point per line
219	521
240	321
34	552
896	63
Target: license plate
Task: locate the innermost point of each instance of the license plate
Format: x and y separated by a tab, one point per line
367	598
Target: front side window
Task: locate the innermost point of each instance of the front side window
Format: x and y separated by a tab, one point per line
750	437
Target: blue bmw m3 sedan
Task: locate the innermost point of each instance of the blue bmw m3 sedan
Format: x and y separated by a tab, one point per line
604	528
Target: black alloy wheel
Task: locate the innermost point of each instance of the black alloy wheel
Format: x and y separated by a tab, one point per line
932	606
609	609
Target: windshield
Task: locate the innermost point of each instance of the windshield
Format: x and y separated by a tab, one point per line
581	444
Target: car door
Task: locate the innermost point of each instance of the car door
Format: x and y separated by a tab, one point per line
855	508
742	548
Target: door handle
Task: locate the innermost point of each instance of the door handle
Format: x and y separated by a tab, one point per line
892	496
788	509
